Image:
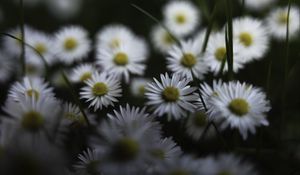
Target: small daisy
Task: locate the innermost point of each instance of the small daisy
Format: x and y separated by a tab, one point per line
138	86
162	40
32	87
72	44
216	52
6	67
242	106
258	5
82	72
172	96
181	17
123	61
252	36
187	60
101	90
89	163
72	113
277	22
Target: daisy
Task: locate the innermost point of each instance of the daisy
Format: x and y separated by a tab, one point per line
72	113
72	44
162	40
242	106
82	73
101	90
64	9
123	61
172	96
216	52
258	5
32	87
187	60
277	22
6	67
89	162
252	37
138	86
181	17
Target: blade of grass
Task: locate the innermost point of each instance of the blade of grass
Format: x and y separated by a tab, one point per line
229	39
22	56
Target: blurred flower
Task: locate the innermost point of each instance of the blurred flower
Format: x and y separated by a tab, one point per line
138	86
162	39
258	5
82	73
64	9
7	67
89	163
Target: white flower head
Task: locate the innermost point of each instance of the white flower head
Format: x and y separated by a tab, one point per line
162	39
101	90
88	163
172	96
6	67
277	22
258	5
181	17
138	86
64	9
253	38
242	106
187	60
72	44
82	72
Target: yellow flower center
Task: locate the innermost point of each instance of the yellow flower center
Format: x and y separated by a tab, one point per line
33	93
246	39
283	18
126	149
220	53
200	119
188	60
170	94
121	59
32	121
85	76
239	107
168	39
40	48
70	44
100	89
180	19
142	90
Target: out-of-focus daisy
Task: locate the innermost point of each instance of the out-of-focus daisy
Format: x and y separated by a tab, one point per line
216	52
123	61
187	60
171	95
32	87
196	124
242	106
252	37
72	113
82	72
258	5
6	67
43	44
64	9
162	39
88	163
138	86
72	44
277	22
101	90
181	17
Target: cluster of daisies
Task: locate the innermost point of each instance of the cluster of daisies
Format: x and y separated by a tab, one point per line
37	124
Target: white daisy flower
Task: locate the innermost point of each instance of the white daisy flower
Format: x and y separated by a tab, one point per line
196	125
34	67
6	67
72	44
181	17
43	44
277	22
216	52
138	86
162	40
172	96
258	5
101	90
72	113
64	9
32	87
242	106
122	61
82	72
89	163
253	38
187	60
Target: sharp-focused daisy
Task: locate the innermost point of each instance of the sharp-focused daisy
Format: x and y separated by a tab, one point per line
89	162
82	72
125	140
138	86
196	125
101	90
43	44
187	60
181	17
172	96
72	44
32	87
162	39
277	22
242	106
258	5
6	67
123	61
216	53
252	37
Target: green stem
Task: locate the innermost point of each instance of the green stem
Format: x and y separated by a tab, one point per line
229	39
204	8
22	56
